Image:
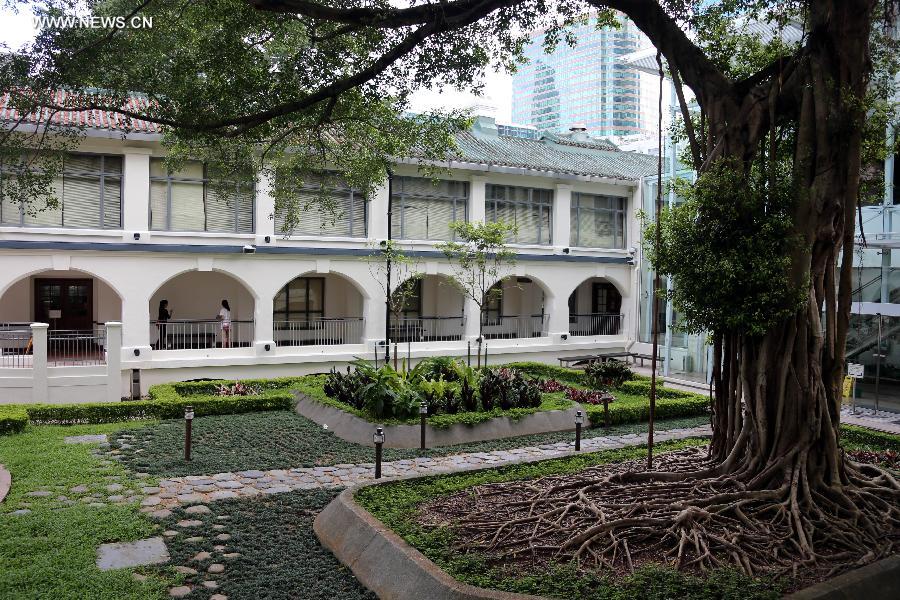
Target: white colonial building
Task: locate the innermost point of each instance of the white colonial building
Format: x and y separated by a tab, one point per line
81	285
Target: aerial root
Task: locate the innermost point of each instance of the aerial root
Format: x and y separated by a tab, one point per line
618	517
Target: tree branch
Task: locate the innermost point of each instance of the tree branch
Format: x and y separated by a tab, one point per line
696	153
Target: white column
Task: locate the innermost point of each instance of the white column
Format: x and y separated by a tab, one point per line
136	318
263	330
373	311
39	362
557	309
113	361
264	209
378	207
476	199
473	317
562	216
136	191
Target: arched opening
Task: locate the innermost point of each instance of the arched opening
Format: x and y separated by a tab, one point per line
430	309
595	308
514	308
318	309
187	312
75	304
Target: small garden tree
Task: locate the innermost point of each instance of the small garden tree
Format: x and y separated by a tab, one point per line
390	264
479	257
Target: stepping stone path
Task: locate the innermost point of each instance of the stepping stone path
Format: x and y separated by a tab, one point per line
202	489
150	551
86	439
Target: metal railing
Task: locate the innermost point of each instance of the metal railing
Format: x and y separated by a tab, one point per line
595	324
187	334
76	347
513	327
319	331
427	329
15	345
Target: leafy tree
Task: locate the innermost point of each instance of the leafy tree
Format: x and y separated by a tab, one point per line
318	84
480	259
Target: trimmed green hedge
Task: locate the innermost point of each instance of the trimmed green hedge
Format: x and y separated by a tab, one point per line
642	388
544	371
691	405
860	437
13	419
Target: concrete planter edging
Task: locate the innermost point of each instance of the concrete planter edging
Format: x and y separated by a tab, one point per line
359	431
384	563
877	581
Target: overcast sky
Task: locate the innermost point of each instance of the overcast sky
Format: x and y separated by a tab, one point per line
17	29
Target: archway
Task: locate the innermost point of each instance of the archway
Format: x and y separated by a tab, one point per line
514	308
318	309
431	309
187	312
595	308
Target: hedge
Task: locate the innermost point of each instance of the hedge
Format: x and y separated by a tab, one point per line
666	408
642	388
853	435
13	419
545	371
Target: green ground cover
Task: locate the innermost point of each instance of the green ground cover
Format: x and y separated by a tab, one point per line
396	505
50	552
278	554
282	439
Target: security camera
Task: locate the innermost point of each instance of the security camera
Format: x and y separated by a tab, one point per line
565	250
632	250
564	336
249	249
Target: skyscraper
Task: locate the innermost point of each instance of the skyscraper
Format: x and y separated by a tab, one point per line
589	84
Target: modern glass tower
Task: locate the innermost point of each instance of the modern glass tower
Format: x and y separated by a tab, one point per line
588	85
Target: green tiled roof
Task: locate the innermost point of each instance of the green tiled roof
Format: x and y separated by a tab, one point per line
553	153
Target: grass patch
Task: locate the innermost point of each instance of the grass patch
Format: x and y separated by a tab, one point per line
279	555
51	552
396	504
282	439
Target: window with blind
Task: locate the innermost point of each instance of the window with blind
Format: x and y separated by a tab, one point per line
322	207
88	191
302	300
528	209
194	199
426	208
598	221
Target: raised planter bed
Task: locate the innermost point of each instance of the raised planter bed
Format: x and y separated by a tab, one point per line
359	431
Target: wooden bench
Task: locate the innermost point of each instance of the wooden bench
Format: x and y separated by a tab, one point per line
567	361
642	358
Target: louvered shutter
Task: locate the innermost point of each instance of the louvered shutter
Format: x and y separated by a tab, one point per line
159	191
81	201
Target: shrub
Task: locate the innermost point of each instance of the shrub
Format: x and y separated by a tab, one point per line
538	370
439	367
869	439
13	419
642	388
594	397
346	387
237	389
602	375
689	405
507	388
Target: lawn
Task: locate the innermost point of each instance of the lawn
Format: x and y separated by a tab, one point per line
283	439
50	551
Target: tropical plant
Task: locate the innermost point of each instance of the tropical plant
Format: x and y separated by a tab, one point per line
237	389
602	375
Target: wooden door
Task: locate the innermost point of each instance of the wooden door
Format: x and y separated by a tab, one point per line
65	303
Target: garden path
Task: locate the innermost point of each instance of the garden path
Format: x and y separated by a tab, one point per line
201	489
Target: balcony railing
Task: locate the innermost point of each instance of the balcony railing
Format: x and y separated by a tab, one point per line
595	324
15	345
319	332
200	334
513	327
427	329
76	347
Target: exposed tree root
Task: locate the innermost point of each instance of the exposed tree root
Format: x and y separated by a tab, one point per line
617	517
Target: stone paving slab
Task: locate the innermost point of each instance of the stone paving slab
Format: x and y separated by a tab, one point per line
150	551
190	489
87	439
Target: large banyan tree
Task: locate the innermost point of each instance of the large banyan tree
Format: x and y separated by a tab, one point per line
760	253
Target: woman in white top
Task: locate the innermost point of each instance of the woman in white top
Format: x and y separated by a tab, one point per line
225	317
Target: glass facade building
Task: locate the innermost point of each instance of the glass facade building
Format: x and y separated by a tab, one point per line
589	84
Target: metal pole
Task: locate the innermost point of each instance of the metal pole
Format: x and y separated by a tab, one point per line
579	419
878	357
469	353
188	421
657	282
423	414
379	443
387	287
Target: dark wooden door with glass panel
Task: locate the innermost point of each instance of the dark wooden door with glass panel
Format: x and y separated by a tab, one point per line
66	304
